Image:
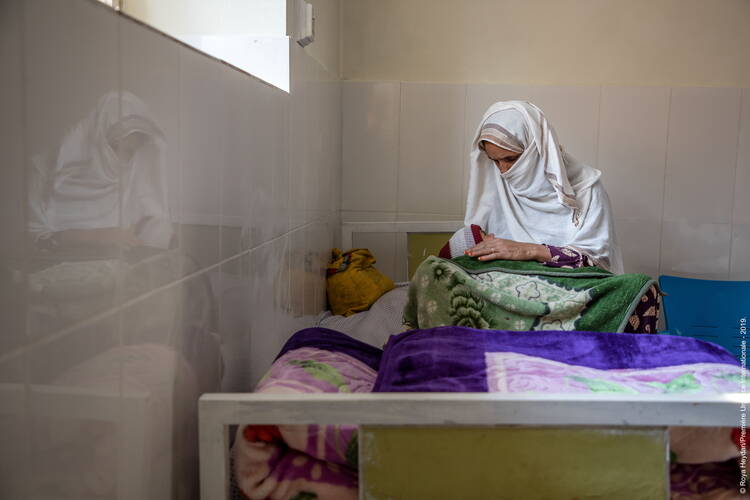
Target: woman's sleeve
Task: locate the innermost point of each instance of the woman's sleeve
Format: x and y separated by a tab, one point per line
567	257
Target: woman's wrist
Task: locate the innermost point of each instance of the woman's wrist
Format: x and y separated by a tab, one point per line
540	253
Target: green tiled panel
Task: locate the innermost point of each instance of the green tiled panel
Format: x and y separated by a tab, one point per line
407	463
422	245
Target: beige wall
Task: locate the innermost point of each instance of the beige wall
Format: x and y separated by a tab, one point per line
325	49
549	42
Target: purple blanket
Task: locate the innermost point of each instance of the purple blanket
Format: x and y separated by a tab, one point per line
322	459
455	359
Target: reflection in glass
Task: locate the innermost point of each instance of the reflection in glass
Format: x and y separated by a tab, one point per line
120	346
76	201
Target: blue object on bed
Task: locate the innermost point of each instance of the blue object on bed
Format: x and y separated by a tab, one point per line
707	309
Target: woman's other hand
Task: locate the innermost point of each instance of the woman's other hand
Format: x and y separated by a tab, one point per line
501	249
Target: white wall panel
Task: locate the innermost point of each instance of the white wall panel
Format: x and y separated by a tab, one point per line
740	212
701	154
633	149
431	134
370	132
695	250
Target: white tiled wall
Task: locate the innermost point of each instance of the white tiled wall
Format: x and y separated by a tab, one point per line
675	161
430	152
108	342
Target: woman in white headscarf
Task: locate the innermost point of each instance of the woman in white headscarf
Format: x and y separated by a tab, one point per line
536	201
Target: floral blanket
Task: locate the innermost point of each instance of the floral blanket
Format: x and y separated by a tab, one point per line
307	462
521	296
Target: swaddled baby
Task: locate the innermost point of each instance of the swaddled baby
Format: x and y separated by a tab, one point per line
461	241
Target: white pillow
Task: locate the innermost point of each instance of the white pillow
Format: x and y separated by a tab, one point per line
375	325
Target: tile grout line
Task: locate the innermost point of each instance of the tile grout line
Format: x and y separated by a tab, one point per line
20	15
462	161
398	146
224	85
120	280
598	124
398	167
465	167
734	183
664	184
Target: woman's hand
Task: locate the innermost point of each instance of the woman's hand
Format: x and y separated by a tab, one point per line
501	249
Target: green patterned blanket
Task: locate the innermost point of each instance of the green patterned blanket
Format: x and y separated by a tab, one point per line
521	296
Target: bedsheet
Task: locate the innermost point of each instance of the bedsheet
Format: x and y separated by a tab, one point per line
320	461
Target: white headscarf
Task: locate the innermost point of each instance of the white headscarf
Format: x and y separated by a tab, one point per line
547	196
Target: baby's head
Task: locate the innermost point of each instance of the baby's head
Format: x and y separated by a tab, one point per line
462	240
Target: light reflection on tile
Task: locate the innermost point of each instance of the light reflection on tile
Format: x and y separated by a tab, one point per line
740	212
639	242
266	155
694	249
76	142
297	262
234	297
202	152
279	126
370	145
271	319
739	266
302	127
431	137
172	343
12	185
332	139
150	80
74	399
318	238
239	154
633	148
701	154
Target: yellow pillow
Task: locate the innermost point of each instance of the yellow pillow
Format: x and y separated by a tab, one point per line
353	283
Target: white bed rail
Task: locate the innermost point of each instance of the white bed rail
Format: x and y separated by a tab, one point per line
349	228
217	411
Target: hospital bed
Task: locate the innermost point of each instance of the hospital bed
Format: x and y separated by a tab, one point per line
437	421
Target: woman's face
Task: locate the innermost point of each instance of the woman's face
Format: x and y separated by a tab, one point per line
501	157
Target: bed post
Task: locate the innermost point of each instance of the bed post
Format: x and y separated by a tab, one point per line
214	454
